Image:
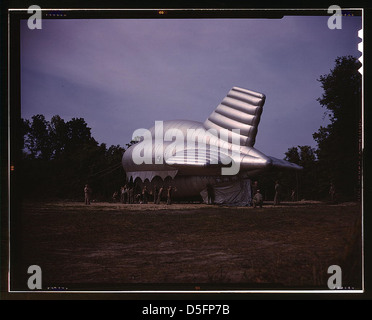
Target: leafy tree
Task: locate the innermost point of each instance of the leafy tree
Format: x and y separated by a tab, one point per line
61	157
305	182
292	155
338	149
58	135
25	130
337	158
78	135
38	140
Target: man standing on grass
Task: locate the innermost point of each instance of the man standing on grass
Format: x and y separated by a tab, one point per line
169	194
293	194
332	192
159	195
145	195
277	193
211	195
156	191
87	193
257	199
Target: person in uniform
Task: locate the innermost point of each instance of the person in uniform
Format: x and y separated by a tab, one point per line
257	199
126	194
277	193
159	195
122	194
137	198
156	191
145	194
169	195
332	192
87	193
211	194
115	196
293	195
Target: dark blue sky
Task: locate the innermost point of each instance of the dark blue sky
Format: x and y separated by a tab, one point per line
121	75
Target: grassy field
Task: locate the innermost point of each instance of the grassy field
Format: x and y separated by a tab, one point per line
108	246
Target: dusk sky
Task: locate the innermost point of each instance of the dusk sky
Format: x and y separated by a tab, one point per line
121	75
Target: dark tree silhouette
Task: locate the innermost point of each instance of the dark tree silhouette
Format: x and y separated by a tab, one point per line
38	141
338	149
305	182
337	158
60	157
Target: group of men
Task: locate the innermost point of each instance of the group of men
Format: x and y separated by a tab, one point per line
131	195
257	198
128	194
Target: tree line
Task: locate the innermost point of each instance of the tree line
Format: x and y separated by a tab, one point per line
60	157
337	159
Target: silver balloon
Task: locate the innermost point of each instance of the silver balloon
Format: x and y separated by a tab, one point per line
189	155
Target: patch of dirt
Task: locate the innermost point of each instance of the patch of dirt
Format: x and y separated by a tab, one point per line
109	246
